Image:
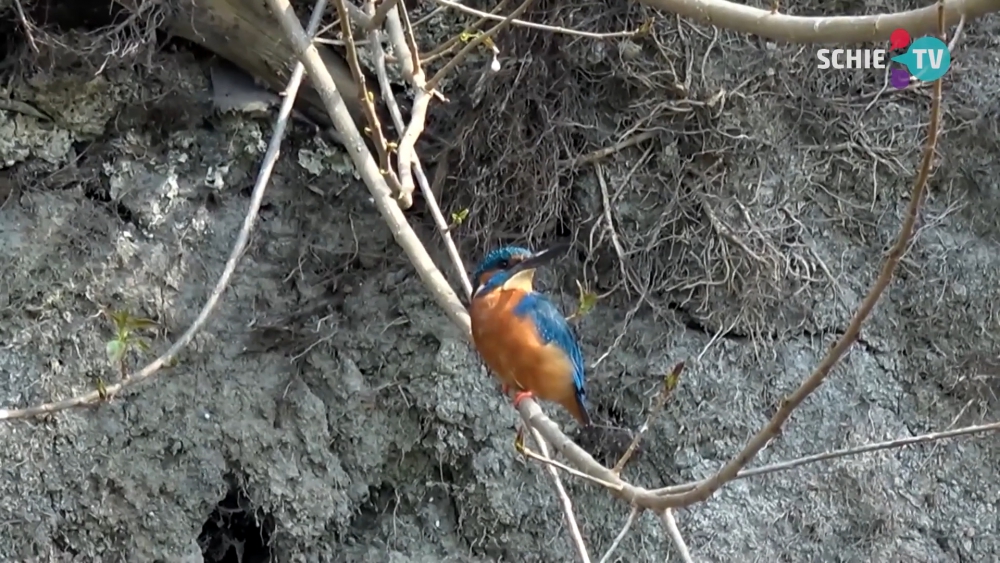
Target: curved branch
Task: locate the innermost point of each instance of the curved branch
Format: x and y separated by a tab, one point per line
242	239
661	501
836	29
906	232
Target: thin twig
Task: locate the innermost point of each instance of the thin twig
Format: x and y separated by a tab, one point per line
958	33
404	42
391	213
632	517
606	208
383	76
600	154
667	517
27	25
849	452
741	18
406	152
669	384
367	98
442	225
471	45
263	176
543	27
425	188
410	38
567	504
538	457
429	17
446	47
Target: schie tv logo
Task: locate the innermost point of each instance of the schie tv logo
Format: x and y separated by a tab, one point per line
926	59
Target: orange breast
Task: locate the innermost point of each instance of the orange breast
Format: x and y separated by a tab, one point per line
511	347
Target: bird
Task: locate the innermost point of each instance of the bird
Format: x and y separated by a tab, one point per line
522	336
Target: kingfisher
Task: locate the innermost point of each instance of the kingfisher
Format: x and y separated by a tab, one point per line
522	336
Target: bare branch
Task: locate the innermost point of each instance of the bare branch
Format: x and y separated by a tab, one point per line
405	43
454	62
400	44
406	152
958	33
263	176
368	169
667	517
906	232
847	452
409	37
380	14
632	517
367	100
839	29
531	25
567	504
425	188
383	76
26	25
669	384
661	501
446	47
599	154
549	461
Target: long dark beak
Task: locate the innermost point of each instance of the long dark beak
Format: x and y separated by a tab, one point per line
540	258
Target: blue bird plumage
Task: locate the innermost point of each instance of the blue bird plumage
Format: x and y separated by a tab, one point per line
497	260
553	328
522	335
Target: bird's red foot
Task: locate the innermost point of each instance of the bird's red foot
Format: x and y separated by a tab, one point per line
522	395
505	389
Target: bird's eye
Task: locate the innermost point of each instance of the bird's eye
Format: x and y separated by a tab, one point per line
504	264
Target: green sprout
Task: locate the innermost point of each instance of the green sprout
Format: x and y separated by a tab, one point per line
126	339
458	217
586	301
466	37
644	29
102	388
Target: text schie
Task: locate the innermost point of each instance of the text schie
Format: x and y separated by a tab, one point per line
852	58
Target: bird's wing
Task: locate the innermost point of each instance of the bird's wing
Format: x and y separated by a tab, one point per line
553	328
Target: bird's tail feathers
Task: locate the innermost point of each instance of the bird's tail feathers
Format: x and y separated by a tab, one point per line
580	412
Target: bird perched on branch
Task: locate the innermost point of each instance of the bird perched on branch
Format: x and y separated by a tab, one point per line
522	336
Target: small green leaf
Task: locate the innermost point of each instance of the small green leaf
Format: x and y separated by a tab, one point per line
645	28
141	323
519	442
586	302
458	217
671	380
116	351
120	320
102	389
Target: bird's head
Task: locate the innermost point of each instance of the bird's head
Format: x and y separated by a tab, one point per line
511	266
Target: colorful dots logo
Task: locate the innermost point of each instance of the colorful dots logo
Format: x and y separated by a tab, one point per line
927	59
